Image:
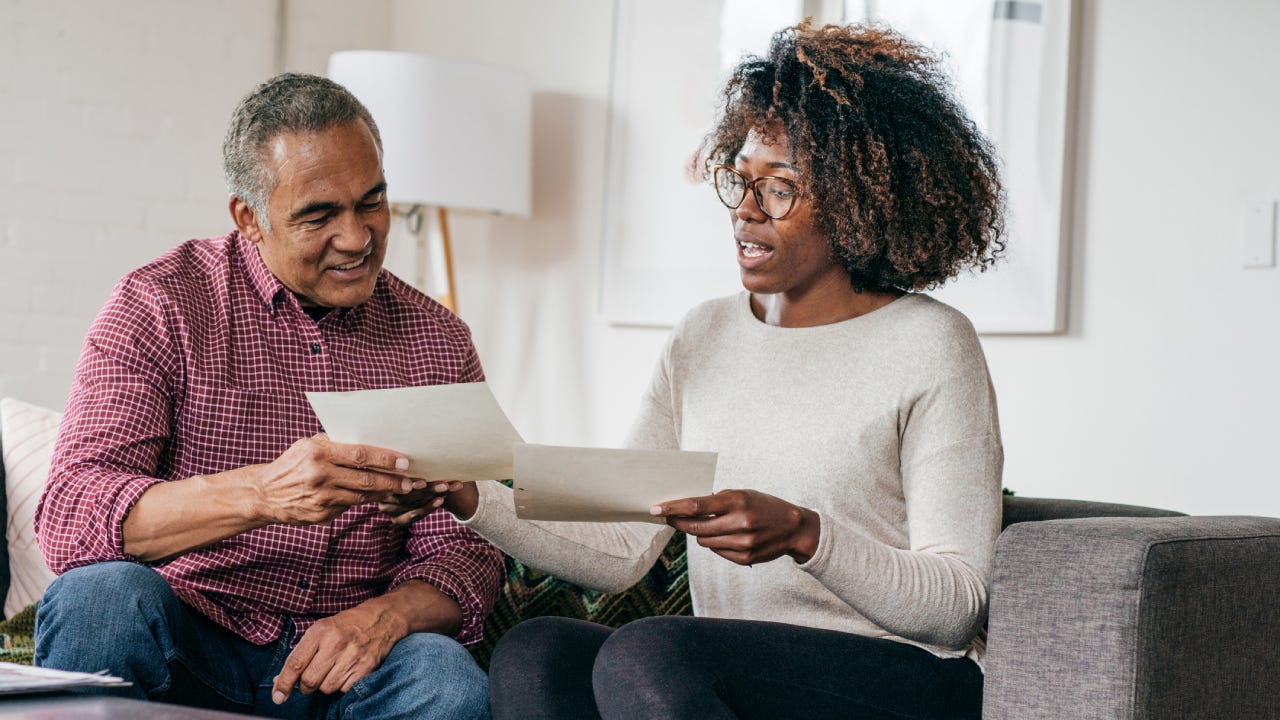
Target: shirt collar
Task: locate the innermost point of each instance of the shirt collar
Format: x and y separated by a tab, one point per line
272	292
267	285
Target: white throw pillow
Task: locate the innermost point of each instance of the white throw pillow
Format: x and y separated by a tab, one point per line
27	434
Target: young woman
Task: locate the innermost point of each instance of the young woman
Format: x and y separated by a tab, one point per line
841	567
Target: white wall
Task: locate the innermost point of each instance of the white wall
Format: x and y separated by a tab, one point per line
1167	388
110	148
1164	392
529	288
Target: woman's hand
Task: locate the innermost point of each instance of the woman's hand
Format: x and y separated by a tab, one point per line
459	498
745	526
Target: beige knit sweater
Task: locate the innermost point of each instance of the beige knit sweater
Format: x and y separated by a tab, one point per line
884	424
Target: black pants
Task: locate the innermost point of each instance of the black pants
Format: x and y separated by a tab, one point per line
683	667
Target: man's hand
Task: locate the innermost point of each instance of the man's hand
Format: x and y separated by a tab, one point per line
745	526
459	498
316	480
338	651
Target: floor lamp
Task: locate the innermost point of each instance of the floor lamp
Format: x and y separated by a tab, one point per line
455	136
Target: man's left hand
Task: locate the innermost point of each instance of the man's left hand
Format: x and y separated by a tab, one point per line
338	651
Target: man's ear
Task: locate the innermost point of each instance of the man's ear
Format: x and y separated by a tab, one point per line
243	215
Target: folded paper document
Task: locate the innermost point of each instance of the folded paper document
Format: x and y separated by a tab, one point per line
448	432
597	485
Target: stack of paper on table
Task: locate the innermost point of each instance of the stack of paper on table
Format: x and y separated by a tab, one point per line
459	432
15	678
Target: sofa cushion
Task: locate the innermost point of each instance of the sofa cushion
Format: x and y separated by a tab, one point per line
28	432
1030	509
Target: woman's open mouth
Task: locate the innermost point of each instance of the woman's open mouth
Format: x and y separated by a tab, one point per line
751	253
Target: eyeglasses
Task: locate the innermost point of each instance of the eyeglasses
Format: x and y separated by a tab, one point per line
775	196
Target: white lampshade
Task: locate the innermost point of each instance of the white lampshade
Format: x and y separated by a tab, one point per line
454	134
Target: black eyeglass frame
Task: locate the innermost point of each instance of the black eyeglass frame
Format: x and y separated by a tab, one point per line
752	187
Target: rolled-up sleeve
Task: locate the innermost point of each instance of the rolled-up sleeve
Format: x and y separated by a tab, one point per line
460	564
113	432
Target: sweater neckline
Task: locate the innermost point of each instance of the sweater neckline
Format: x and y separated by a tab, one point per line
879	315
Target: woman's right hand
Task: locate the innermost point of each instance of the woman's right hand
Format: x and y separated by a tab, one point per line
746	526
459	498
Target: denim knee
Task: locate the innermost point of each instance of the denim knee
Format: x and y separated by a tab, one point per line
84	596
426	676
107	616
104	585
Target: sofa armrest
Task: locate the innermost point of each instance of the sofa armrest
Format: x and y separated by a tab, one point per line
1135	618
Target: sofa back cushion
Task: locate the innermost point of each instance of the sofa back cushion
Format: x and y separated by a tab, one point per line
28	433
1028	509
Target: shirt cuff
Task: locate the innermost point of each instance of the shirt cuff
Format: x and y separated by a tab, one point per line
446	581
113	510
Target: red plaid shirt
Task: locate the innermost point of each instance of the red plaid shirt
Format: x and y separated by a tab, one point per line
196	365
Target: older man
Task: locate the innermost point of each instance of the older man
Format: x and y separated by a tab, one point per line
214	548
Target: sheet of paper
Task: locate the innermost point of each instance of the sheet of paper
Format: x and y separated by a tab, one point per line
599	485
15	678
448	432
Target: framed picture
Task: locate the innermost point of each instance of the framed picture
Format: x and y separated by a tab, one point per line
667	243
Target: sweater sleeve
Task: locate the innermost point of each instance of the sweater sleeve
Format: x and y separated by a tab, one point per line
951	462
609	557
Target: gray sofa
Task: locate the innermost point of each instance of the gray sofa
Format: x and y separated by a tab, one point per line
1102	611
1113	611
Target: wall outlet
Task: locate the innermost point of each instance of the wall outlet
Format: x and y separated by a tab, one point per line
1260	234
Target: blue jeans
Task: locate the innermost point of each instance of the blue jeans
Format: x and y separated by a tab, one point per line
123	618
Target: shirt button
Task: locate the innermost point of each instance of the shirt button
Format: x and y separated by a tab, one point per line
315	348
304	583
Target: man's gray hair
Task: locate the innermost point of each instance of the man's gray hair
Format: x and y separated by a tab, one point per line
287	103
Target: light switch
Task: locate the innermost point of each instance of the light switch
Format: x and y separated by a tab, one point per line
1260	234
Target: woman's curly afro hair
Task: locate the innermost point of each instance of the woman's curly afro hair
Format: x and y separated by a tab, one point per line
901	180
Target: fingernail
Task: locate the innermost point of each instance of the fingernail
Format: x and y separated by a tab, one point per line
437	502
441	487
402	463
655	510
419	484
277	697
406	485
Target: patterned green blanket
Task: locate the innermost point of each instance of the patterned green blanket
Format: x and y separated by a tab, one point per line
16	636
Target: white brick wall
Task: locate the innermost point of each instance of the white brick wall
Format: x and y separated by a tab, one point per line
111	123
